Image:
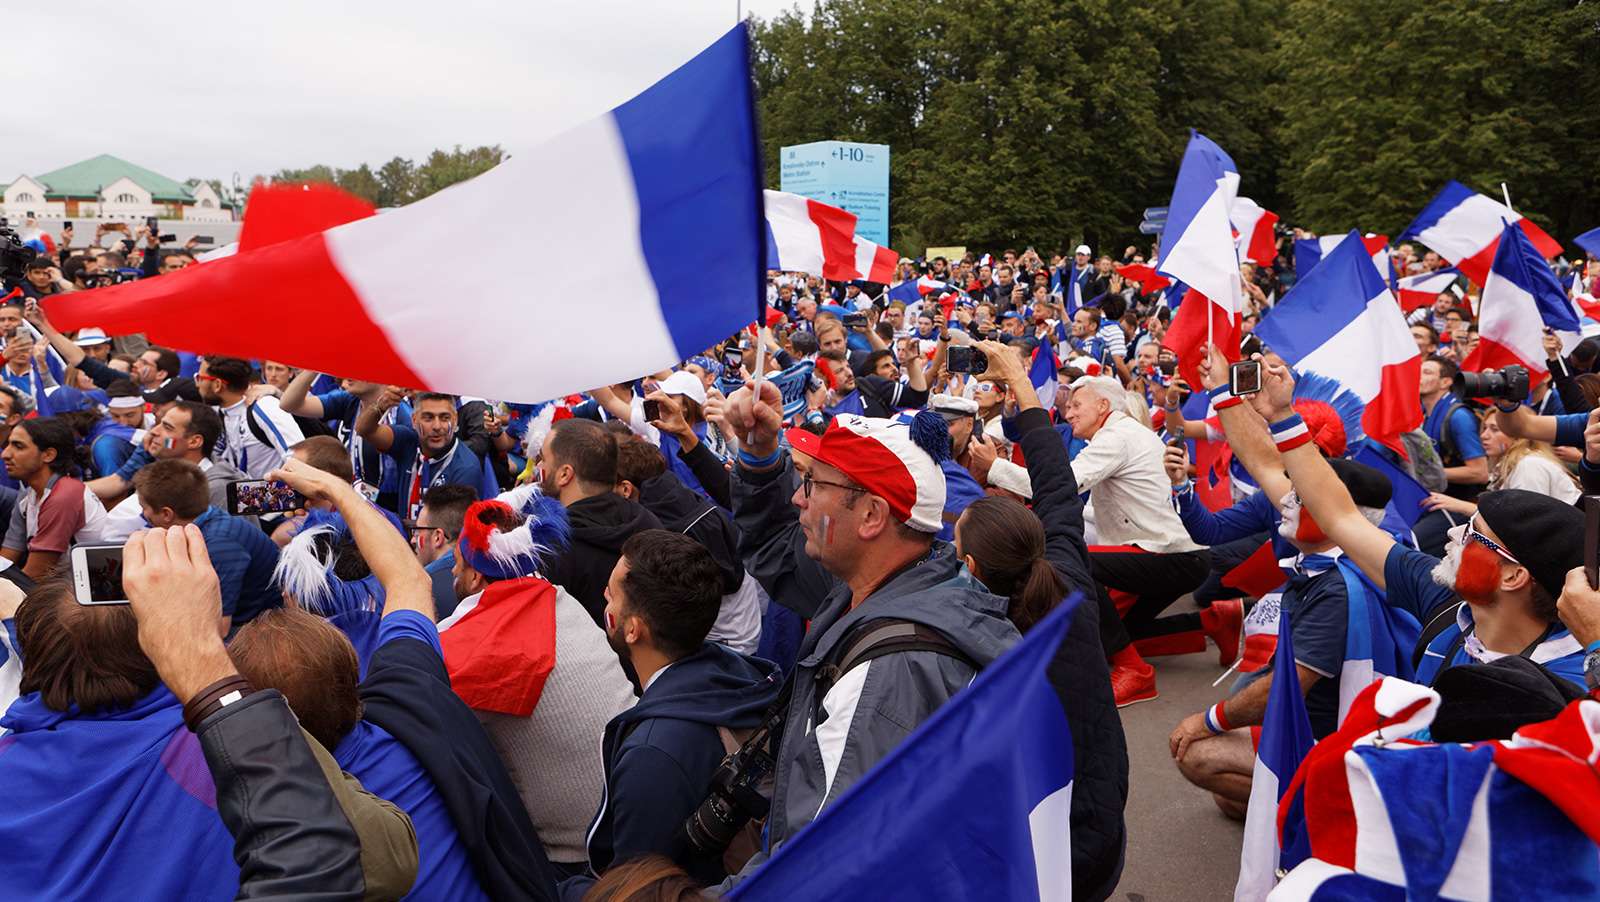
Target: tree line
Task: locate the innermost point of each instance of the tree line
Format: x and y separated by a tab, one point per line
401	181
1043	122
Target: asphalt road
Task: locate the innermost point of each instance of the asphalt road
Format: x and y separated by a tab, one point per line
1180	847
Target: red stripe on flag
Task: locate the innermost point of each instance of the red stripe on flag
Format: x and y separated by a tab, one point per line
1187	334
1257	574
285	210
1397	407
286	301
838	229
1263	245
883	265
1213	485
1491	355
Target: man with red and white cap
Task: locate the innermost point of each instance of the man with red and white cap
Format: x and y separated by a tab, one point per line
844	527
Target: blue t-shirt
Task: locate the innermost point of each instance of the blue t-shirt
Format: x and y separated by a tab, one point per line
1569	430
1319	616
1463	429
388	770
244	558
339	409
1410	584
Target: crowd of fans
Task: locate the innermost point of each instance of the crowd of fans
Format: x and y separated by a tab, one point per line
522	644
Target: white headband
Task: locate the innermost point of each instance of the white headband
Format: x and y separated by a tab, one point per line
125	402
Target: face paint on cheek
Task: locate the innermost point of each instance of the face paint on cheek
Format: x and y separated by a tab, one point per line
1478	574
611	622
827	530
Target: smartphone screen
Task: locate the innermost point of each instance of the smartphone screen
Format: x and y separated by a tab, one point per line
1244	378
652	409
97	574
262	496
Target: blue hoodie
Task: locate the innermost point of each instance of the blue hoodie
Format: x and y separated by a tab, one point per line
660	755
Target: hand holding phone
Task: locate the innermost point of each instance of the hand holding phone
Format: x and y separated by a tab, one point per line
97	574
1244	378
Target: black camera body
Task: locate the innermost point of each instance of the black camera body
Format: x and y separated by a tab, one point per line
739	790
854	320
14	258
1508	383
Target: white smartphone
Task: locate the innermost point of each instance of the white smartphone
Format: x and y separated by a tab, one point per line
97	574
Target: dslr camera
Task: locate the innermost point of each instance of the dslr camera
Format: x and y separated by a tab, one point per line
740	790
1508	383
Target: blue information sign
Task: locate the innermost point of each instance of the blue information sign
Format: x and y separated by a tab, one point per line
844	174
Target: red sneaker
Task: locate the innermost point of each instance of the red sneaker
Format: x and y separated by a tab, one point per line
1133	684
1224	623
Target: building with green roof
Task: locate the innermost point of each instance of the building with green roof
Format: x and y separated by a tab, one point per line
110	188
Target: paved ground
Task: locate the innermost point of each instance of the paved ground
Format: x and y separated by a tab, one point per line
1180	847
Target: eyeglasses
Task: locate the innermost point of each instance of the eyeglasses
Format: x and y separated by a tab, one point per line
1485	541
806	482
206	376
417	530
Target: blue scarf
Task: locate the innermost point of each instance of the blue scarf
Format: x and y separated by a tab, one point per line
101	806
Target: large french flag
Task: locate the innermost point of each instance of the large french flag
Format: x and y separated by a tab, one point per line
1258	243
1464	227
666	186
995	824
1198	249
1520	297
805	235
1340	321
1285	740
1308	252
1421	289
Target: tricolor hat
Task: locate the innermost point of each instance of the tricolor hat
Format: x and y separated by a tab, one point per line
883	457
306	568
510	554
89	336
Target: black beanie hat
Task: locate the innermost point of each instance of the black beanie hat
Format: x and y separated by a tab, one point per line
1368	487
1494	700
1545	535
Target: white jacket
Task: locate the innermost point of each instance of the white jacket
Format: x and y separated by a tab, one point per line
1129	489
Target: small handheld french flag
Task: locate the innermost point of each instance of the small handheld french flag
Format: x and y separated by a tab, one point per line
1042	373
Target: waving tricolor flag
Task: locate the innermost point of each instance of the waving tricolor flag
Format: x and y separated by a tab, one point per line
1003	751
1420	290
1258	243
911	291
1340	321
1386	817
1464	226
1042	372
1520	297
805	235
667	187
1308	252
1198	249
1285	740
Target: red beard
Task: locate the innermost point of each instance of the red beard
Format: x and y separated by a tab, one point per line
1307	531
1478	575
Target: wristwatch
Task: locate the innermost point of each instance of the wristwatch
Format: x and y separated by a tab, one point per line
1591	669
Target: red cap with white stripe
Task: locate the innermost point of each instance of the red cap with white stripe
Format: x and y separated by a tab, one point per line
880	456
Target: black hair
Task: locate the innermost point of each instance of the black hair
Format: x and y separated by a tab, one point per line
204	421
235	372
675	585
587	447
448	504
168	362
55	433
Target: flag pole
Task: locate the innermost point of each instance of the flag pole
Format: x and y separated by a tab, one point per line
1507	194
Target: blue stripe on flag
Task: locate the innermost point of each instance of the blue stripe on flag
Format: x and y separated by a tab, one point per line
1203	164
1322	302
691	143
1000	748
1517	261
1449	197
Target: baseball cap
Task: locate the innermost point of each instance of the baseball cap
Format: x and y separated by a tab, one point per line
175	390
882	457
685	384
1082	249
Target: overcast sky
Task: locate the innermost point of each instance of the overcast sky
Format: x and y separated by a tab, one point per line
188	90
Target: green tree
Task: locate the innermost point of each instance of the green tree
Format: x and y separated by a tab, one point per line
1382	104
360	182
397	182
445	168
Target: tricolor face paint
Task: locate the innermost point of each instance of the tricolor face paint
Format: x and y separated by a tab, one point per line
827	530
1297	525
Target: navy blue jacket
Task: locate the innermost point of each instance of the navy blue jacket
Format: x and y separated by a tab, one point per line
660	755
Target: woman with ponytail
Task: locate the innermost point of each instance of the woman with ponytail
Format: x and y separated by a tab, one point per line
1037	558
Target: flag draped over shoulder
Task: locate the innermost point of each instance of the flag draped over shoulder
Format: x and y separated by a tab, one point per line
1000	753
667	186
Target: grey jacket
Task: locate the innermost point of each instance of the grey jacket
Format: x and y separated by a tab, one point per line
830	742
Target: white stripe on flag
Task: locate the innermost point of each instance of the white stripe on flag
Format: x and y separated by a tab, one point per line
1509	316
1050	826
798	239
1468	227
1258	856
584	173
